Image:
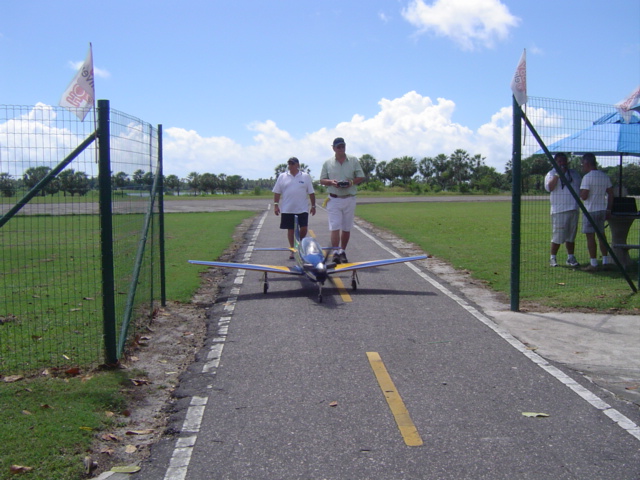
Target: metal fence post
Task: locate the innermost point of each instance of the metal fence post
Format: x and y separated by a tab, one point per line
160	193
106	236
516	194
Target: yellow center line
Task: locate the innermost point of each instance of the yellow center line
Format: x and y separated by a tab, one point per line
403	420
341	289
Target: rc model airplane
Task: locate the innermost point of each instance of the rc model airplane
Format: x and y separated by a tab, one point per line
311	260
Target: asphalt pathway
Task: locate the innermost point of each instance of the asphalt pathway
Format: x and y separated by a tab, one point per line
400	379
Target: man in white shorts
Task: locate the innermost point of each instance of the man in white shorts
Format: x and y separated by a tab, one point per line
596	191
564	209
340	174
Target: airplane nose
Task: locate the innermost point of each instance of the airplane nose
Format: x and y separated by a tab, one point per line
321	272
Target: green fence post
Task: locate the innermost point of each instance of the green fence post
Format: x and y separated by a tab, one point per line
106	235
516	194
163	289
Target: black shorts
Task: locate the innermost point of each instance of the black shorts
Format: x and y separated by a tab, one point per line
288	222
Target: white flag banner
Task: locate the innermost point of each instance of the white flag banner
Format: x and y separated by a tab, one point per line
626	107
519	81
80	94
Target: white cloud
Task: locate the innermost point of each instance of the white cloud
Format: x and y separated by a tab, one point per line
411	125
471	24
535	50
97	72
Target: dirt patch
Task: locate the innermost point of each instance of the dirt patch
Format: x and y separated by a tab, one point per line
163	349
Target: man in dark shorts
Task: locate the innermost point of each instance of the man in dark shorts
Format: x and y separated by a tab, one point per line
290	199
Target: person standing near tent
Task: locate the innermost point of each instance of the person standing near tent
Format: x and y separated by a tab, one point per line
596	193
564	209
290	199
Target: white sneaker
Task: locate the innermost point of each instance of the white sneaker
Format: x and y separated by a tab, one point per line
553	263
572	262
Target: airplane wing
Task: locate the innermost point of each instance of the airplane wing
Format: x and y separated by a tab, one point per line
347	267
294	270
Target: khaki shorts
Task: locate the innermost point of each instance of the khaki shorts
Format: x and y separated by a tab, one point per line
565	227
341	212
598	217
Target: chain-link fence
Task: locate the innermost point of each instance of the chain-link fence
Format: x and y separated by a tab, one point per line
79	235
575	128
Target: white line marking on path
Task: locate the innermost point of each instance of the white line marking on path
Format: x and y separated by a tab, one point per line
625	423
181	457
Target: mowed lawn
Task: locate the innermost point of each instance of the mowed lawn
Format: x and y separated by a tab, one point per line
476	237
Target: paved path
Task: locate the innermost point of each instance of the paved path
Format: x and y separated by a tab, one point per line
286	388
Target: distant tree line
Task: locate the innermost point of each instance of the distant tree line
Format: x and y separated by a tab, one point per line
536	167
69	182
457	172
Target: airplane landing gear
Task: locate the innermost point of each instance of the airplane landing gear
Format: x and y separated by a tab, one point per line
355	280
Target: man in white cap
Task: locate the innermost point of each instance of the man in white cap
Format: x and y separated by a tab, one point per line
340	174
290	199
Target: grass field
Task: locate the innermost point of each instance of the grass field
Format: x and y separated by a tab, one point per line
197	236
476	236
50	421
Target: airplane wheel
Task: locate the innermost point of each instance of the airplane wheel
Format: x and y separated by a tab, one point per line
265	287
354	285
319	298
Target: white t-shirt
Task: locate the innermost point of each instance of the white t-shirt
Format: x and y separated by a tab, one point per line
561	199
293	192
597	183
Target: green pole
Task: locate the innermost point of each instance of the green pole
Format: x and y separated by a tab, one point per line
163	282
106	235
516	194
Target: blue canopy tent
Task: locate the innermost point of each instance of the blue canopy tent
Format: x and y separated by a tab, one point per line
610	135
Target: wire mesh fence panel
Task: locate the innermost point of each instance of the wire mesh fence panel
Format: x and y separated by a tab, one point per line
575	128
50	294
134	159
51	312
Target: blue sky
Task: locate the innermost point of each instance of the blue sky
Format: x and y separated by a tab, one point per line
240	86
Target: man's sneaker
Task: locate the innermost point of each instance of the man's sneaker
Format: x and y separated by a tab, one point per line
572	262
336	258
343	258
590	268
553	263
291	256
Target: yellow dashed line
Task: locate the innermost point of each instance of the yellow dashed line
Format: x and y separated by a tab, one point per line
341	289
399	411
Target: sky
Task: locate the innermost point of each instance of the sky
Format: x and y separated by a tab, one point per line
239	86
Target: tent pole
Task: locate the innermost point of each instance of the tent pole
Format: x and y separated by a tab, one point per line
620	178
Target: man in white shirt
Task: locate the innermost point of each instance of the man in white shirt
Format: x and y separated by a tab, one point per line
290	199
340	174
564	209
596	192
